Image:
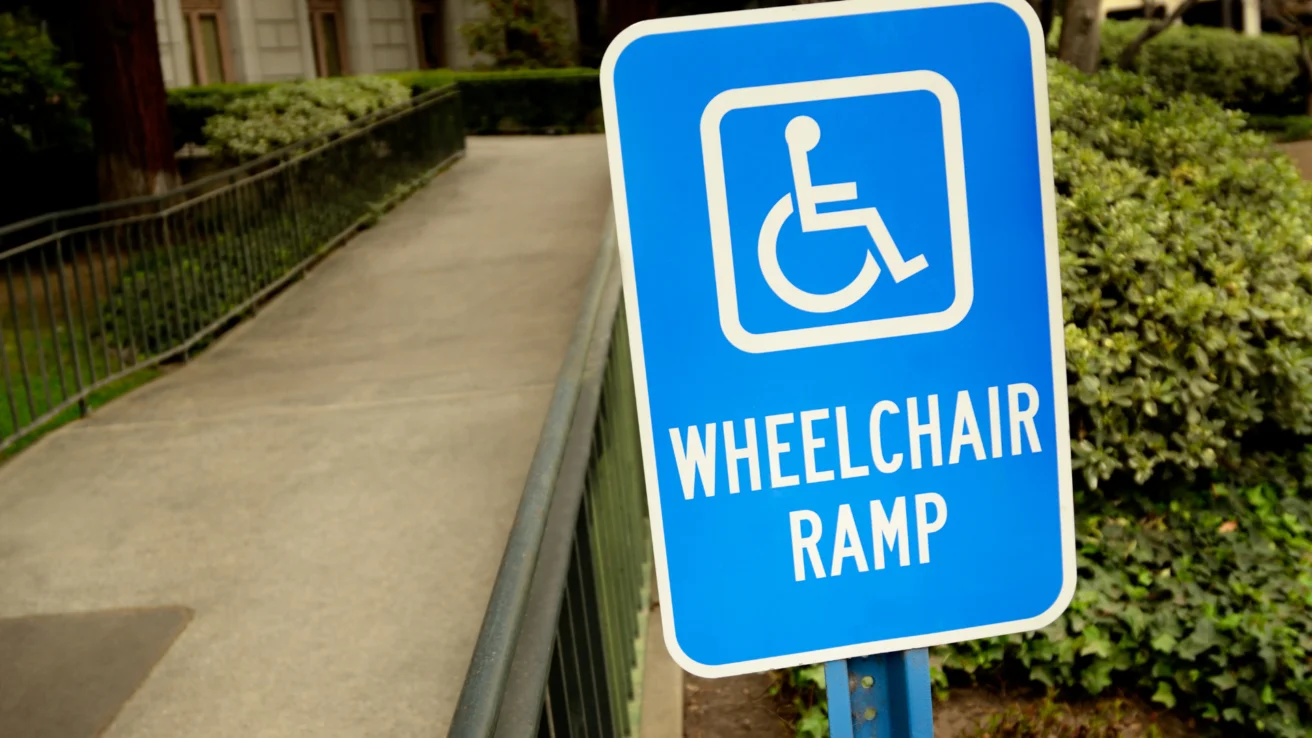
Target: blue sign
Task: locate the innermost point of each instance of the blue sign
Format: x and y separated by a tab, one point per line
838	241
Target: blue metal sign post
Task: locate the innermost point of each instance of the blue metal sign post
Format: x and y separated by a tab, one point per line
837	234
882	696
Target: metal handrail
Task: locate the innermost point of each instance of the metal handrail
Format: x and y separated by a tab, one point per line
282	155
577	557
88	305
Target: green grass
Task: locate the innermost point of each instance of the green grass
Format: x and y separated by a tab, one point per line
58	383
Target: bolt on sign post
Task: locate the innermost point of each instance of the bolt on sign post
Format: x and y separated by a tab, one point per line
838	237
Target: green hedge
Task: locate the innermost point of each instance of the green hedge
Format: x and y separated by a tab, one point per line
190	107
1187	273
521	101
1258	74
511	101
254	125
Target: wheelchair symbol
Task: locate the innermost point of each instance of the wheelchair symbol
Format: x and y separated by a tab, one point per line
803	134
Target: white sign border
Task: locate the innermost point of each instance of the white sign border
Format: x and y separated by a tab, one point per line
1055	322
963	286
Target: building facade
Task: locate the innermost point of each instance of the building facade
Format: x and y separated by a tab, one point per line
214	41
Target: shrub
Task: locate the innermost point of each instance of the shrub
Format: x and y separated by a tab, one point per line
1257	74
1203	604
45	143
1187	276
520	101
190	107
257	124
39	97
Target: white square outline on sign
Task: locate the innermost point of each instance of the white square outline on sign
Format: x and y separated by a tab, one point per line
816	91
632	303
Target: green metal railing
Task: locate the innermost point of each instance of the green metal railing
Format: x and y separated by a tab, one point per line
561	648
91	296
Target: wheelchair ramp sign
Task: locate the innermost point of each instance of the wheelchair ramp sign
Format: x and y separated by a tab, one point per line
838	239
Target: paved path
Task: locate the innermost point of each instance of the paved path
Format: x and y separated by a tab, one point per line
330	487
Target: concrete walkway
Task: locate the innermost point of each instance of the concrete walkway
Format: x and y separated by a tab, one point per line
329	488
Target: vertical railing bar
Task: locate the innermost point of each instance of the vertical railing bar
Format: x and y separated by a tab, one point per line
235	233
54	325
9	380
95	297
546	723
175	224
616	574
82	314
224	235
582	644
299	246
72	330
255	234
132	300
175	277
206	266
244	234
592	623
602	594
36	328
158	311
614	490
270	232
570	639
199	255
556	689
18	336
606	594
102	305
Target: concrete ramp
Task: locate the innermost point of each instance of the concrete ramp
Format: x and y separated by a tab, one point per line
329	488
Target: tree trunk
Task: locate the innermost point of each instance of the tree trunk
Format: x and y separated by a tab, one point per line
118	49
1080	40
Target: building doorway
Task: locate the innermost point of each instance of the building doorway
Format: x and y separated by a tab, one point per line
430	25
328	36
207	41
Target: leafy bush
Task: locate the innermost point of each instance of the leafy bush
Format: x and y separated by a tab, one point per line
284	114
39	98
1187	275
1257	74
1187	279
45	143
520	33
520	101
190	107
1204	604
